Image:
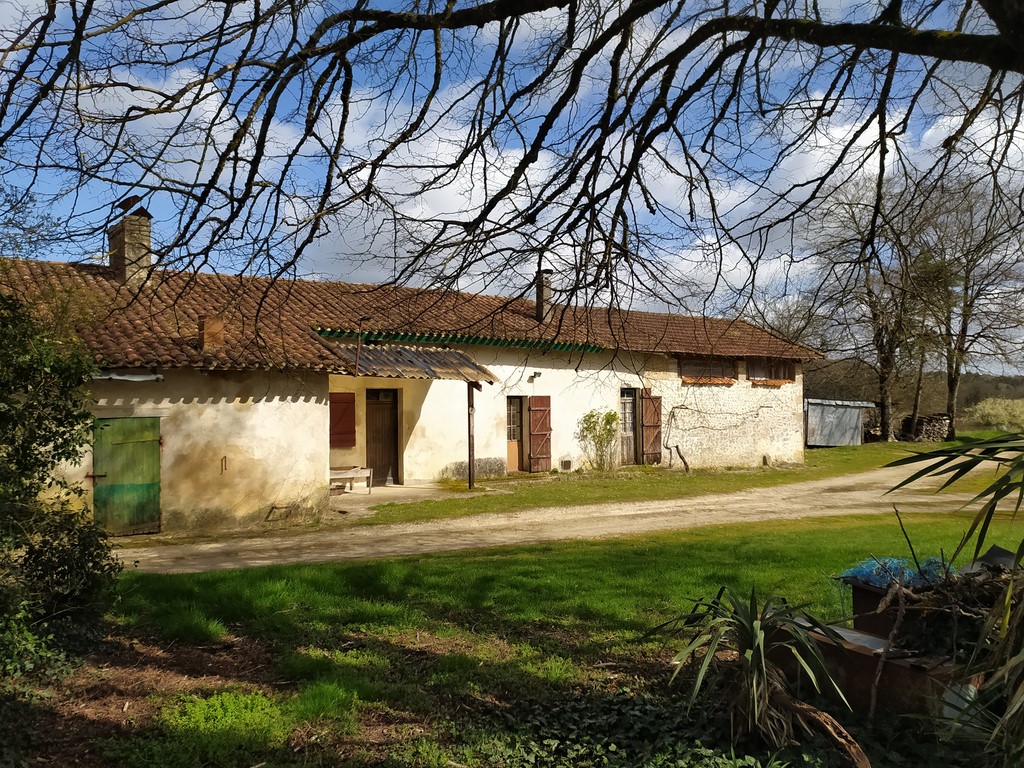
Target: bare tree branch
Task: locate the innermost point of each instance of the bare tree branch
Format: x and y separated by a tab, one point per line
647	150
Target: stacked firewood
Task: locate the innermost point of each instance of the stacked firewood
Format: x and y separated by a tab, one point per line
930	429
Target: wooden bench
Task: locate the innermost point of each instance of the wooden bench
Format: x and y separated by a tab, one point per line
342	475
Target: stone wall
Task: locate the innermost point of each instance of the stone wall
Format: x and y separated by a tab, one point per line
743	424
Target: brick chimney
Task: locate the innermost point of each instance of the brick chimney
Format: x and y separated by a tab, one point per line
130	243
544	307
211	332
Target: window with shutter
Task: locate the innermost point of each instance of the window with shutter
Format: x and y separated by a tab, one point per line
343	419
770	372
707	370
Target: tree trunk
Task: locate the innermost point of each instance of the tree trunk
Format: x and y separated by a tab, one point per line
955	356
886	377
952	393
916	413
885	406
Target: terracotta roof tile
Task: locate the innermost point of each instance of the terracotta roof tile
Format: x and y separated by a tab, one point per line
271	324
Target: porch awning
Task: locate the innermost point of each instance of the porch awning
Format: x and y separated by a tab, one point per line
398	361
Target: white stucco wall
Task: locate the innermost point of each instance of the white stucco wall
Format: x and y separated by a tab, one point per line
412	396
575	383
433	429
738	425
239	447
236	447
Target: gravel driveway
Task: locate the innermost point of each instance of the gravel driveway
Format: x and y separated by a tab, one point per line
852	494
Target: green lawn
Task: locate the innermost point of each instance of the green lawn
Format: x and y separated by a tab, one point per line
484	650
621	586
639	484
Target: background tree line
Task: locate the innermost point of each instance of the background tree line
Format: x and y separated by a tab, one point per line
918	285
852	379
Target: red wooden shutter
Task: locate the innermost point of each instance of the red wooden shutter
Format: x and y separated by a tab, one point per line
540	433
343	419
650	426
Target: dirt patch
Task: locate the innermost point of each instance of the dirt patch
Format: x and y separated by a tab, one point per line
118	689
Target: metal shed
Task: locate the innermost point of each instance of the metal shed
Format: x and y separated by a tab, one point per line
834	422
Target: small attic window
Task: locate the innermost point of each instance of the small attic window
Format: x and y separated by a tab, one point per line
707	370
769	372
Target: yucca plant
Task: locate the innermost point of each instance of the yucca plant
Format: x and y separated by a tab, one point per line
1000	657
1004	453
742	643
999	653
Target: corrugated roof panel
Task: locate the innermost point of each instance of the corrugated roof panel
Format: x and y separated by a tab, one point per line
408	362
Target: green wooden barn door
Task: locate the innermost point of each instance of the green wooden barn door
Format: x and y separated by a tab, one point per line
126	472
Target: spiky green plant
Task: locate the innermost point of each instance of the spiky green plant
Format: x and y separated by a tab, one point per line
743	643
999	654
1004	453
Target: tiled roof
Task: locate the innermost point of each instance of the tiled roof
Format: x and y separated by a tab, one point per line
280	324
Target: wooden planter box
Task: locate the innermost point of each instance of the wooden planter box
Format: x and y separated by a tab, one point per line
919	685
866	619
865	604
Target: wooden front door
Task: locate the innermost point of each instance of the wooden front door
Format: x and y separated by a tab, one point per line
514	433
126	475
382	435
539	407
650	427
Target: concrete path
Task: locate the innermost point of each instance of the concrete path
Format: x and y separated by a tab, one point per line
852	494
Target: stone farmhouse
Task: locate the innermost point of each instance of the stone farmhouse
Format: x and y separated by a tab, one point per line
223	400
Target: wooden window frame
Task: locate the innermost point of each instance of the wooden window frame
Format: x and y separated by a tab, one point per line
514	431
770	371
706	371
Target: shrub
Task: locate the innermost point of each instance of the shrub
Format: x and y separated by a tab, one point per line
24	648
56	569
57	581
44	418
598	433
998	413
65	572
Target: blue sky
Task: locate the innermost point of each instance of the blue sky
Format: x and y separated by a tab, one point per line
681	238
